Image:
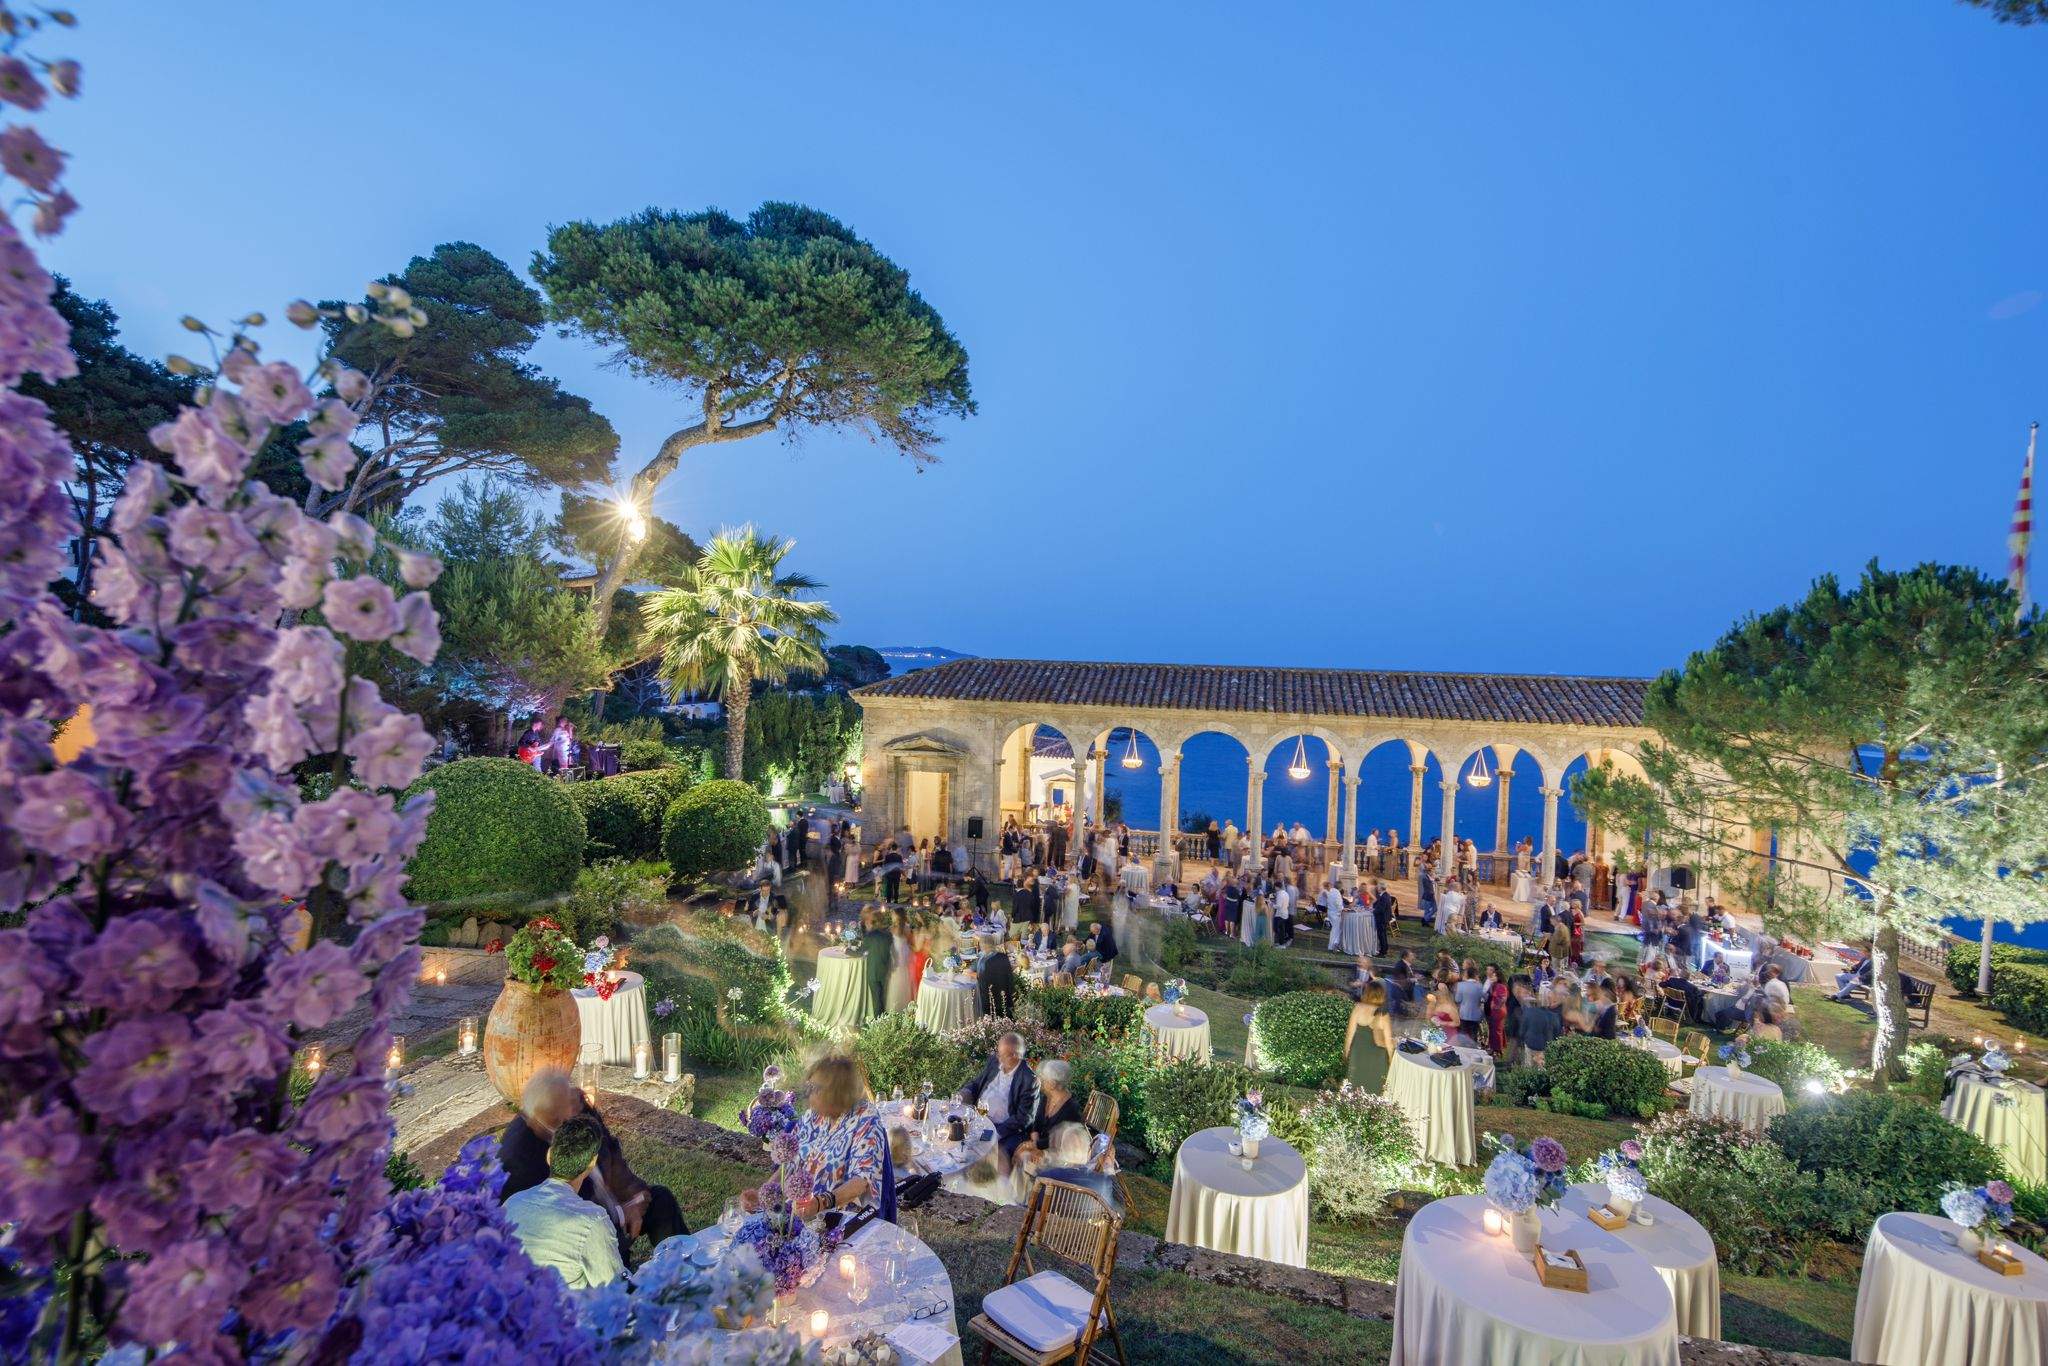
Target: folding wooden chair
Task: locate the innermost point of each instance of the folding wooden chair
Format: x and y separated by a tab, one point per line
1049	1316
1101	1117
1672	1002
1133	983
1666	1028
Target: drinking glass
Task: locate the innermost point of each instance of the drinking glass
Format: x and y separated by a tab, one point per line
896	1093
861	1286
732	1216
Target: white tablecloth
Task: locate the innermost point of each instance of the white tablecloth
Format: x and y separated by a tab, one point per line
1676	1245
1438	1103
1179	1036
842	1000
1467	1296
925	1290
1358	934
1925	1302
619	1023
1666	1053
1522	887
945	1002
1749	1100
2019	1129
931	1153
1220	1205
1507	939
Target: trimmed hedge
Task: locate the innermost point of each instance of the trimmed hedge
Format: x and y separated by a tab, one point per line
1626	1081
1893	1153
1066	1010
1300	1036
1963	957
2020	993
1792	1063
897	1051
623	814
1189	1095
500	834
715	827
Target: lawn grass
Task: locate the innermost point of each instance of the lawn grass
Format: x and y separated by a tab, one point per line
1790	1313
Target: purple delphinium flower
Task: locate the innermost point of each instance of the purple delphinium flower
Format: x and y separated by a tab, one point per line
138	1069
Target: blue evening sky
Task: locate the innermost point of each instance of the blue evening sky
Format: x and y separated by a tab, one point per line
1500	337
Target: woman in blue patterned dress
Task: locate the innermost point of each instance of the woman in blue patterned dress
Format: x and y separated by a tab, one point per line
840	1139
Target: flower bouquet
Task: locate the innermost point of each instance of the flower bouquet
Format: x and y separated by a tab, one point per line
597	968
542	956
772	1112
1518	1180
1640	1031
1968	1207
1175	994
849	938
1735	1053
1434	1036
1996	1060
788	1249
1620	1168
1252	1124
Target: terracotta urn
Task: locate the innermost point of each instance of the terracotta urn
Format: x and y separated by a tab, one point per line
529	1029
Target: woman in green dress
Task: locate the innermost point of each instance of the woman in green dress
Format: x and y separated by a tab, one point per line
1368	1039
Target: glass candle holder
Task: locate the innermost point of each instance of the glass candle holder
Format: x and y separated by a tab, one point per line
395	1059
643	1060
465	1036
590	1071
671	1058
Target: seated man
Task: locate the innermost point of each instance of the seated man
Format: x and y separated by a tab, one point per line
1105	942
1009	1088
1489	919
1072	960
1847	982
635	1207
558	1227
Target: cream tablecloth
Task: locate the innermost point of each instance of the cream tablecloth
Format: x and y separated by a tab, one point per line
842	999
1467	1296
1438	1103
1676	1245
1219	1205
1522	887
923	1297
619	1023
1357	933
930	1151
945	1002
1666	1053
1179	1036
1925	1302
1749	1100
2019	1130
1507	939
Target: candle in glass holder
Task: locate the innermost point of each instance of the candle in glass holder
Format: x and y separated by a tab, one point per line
315	1058
395	1059
440	977
820	1321
1492	1221
671	1058
465	1036
643	1060
847	1266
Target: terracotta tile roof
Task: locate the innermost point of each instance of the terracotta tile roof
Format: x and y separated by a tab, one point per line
1534	699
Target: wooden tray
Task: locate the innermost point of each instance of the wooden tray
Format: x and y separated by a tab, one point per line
1571	1277
1607	1218
2003	1265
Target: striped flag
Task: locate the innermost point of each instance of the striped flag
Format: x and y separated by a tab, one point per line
2023	524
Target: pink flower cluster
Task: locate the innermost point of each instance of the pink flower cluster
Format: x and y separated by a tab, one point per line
152	996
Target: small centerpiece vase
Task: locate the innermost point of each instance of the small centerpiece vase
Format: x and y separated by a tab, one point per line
1251	1149
1968	1240
1526	1230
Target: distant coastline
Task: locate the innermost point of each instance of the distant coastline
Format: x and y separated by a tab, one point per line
905	659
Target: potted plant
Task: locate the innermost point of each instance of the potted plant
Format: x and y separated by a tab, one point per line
534	1025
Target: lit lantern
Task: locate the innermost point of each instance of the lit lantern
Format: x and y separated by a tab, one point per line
465	1036
820	1322
395	1059
1131	759
1479	777
590	1071
440	977
643	1060
1298	770
1492	1222
671	1058
847	1266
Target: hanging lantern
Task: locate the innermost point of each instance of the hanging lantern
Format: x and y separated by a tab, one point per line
1479	777
1298	770
1131	759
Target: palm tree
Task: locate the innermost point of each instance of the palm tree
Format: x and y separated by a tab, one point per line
733	620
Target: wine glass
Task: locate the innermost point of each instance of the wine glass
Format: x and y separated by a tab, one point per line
861	1286
732	1216
896	1093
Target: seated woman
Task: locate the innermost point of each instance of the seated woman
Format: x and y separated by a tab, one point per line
839	1138
1056	1107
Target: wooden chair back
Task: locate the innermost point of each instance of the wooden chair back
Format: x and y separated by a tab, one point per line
1074	1225
1673	1001
1133	983
1102	1113
1666	1026
1063	979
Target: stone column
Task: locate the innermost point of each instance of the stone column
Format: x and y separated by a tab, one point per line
1504	776
1084	770
990	845
1254	801
1098	779
1447	849
1415	772
1547	870
1347	871
1165	861
1336	771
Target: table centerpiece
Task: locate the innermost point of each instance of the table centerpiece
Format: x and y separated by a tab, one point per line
1621	1170
1735	1053
1175	994
1969	1207
1520	1179
1253	1125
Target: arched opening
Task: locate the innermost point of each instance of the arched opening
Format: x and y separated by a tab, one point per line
1386	791
1039	776
1303	774
1499	805
1132	787
1213	769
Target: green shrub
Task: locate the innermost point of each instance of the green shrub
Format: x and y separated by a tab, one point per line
609	892
637	755
500	834
1603	1072
1120	1069
1358	1148
1765	1215
2020	993
1179	946
1926	1069
1265	970
1520	1085
1480	951
716	827
978	1039
1066	1010
1300	1036
1188	1096
1962	963
707	960
897	1051
1793	1063
1892	1153
623	816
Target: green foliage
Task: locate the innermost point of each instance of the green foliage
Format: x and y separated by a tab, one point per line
855	666
897	1051
1765	1215
1187	1096
1066	1010
802	739
1358	1147
1521	1085
1300	1035
1120	1069
714	828
697	966
1792	1063
1480	951
1179	946
1265	970
541	954
403	1173
2020	993
1926	1068
1605	1073
611	892
499	834
623	815
1893	1153
1963	958
513	636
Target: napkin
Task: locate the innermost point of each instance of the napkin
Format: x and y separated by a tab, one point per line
1557	1258
922	1341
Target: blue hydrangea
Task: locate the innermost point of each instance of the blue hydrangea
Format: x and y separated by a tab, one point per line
1965	1207
1512	1182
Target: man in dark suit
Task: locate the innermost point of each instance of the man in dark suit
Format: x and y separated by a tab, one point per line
1105	942
995	984
1056	851
794	841
877	951
1383	914
635	1207
1043	938
1010	1088
1024	901
1425	894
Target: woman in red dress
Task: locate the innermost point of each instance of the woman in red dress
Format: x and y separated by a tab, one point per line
1578	935
920	954
1496	1011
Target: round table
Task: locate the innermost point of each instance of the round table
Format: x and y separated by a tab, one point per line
1923	1301
1749	1100
1438	1103
1667	1053
1179	1036
1522	887
842	999
1218	1204
1357	933
940	1156
1467	1295
2011	1116
1506	938
619	1023
945	1002
891	1311
1676	1245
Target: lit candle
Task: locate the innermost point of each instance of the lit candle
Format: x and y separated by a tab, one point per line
643	1060
846	1266
395	1059
820	1321
671	1058
1491	1221
440	977
465	1036
316	1058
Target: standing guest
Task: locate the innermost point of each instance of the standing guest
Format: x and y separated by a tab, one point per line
1542	1023
920	954
977	891
1009	1088
1578	920
1497	997
995	985
1230	908
1024	901
547	1103
1425	894
1372	850
1450	905
1469	992
902	984
1213	841
1384	913
1560	941
559	1228
1332	901
877	951
1283	915
891	868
